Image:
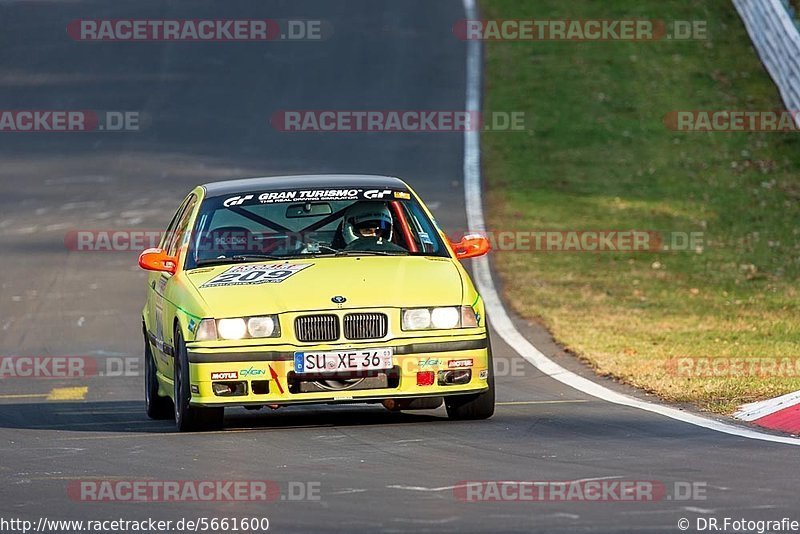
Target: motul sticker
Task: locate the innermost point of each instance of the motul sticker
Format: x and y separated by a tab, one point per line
226	375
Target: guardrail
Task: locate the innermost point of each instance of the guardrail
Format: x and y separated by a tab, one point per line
776	38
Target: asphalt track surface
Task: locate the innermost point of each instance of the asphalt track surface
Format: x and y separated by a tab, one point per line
208	106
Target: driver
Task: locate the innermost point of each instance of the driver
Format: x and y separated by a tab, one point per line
367	225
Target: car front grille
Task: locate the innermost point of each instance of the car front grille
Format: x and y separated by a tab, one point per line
317	328
365	325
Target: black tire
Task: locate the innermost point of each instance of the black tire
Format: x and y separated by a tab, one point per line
471	407
156	406
190	418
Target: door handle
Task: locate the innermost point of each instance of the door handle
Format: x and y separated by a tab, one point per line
153	284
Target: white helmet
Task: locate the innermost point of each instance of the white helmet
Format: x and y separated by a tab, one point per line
363	215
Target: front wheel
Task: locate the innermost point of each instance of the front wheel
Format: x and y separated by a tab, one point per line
190	418
474	406
157	407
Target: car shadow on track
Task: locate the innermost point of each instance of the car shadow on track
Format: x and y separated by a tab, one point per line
129	417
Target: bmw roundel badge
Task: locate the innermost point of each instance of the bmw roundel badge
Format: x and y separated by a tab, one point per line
338	299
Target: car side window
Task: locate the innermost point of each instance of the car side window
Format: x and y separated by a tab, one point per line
175	238
167	237
423	233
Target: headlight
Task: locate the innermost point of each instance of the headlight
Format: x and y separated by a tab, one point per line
445	318
238	328
418	319
232	328
260	326
442	318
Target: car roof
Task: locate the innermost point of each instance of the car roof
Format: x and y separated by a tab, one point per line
302	181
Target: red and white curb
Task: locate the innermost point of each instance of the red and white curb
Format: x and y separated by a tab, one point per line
781	413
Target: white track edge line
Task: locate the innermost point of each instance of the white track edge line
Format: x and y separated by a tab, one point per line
502	323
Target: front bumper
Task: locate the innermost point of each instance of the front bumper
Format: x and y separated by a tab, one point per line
265	375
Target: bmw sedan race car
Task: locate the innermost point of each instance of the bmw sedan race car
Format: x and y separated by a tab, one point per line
307	290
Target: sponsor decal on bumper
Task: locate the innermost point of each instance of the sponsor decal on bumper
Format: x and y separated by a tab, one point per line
226	375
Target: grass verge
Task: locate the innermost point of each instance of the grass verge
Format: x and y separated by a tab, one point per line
597	155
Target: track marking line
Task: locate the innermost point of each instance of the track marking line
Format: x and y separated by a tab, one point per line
174	435
696	510
348	491
105	477
422	488
94	412
442	521
65	394
522	403
501	322
123	436
67	426
25	396
56	394
530	483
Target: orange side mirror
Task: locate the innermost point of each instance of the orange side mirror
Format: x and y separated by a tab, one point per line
471	246
156	259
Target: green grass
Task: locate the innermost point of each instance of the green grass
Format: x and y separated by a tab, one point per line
597	155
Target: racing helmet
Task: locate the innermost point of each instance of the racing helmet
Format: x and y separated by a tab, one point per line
367	219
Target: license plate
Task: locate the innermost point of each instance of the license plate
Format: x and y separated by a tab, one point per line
343	361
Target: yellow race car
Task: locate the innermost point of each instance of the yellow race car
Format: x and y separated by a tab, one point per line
317	289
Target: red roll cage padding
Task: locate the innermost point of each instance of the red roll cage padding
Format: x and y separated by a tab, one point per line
400	217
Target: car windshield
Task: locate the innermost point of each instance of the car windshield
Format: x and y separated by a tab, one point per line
277	225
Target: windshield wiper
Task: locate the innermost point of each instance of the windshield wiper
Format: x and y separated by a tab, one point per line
239	259
258	257
370	253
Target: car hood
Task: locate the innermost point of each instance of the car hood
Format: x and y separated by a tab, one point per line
365	281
